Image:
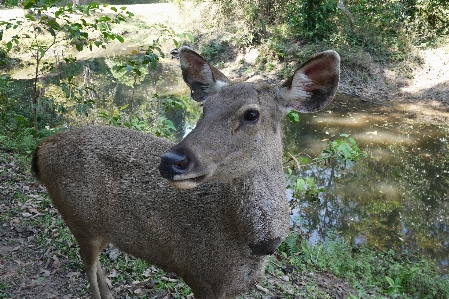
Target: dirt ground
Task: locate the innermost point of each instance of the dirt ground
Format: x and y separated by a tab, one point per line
421	88
35	270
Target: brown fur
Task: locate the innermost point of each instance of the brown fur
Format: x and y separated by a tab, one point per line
105	183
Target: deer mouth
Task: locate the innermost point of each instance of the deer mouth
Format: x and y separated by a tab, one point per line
186	183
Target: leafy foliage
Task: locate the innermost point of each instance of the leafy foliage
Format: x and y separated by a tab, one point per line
314	20
293	116
16	125
213	50
50	25
387	30
60	23
344	150
398	275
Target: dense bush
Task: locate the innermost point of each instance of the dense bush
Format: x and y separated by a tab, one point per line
386	29
312	20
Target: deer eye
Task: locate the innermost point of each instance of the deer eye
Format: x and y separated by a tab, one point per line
251	116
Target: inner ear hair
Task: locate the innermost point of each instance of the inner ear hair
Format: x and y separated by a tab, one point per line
313	85
202	77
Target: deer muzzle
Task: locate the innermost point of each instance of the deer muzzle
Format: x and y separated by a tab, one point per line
177	169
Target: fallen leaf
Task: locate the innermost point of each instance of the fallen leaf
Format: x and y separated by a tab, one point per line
113	273
72	274
137	291
44	272
32	285
261	288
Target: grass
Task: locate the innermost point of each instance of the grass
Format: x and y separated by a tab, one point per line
390	274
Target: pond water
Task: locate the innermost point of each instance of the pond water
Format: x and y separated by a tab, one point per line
397	197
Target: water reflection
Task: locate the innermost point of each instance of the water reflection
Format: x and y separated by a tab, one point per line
397	198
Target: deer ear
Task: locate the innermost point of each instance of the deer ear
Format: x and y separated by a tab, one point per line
202	78
313	85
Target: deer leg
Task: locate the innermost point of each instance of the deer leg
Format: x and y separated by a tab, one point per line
102	285
90	248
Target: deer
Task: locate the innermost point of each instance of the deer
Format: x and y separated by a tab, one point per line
211	208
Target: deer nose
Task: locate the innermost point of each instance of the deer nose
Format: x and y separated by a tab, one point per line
173	164
266	247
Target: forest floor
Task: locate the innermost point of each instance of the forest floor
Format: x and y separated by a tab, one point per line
37	255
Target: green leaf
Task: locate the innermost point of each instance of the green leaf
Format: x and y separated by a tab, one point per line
190	36
293	116
104	19
52	32
120	39
28	4
300	185
390	281
9	46
30	17
42	52
311	183
93	5
58	13
53	24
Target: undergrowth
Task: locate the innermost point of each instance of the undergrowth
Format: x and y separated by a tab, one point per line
396	275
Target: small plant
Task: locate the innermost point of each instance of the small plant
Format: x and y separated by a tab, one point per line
80	95
344	150
4	59
4	290
302	188
395	287
269	67
136	65
309	187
